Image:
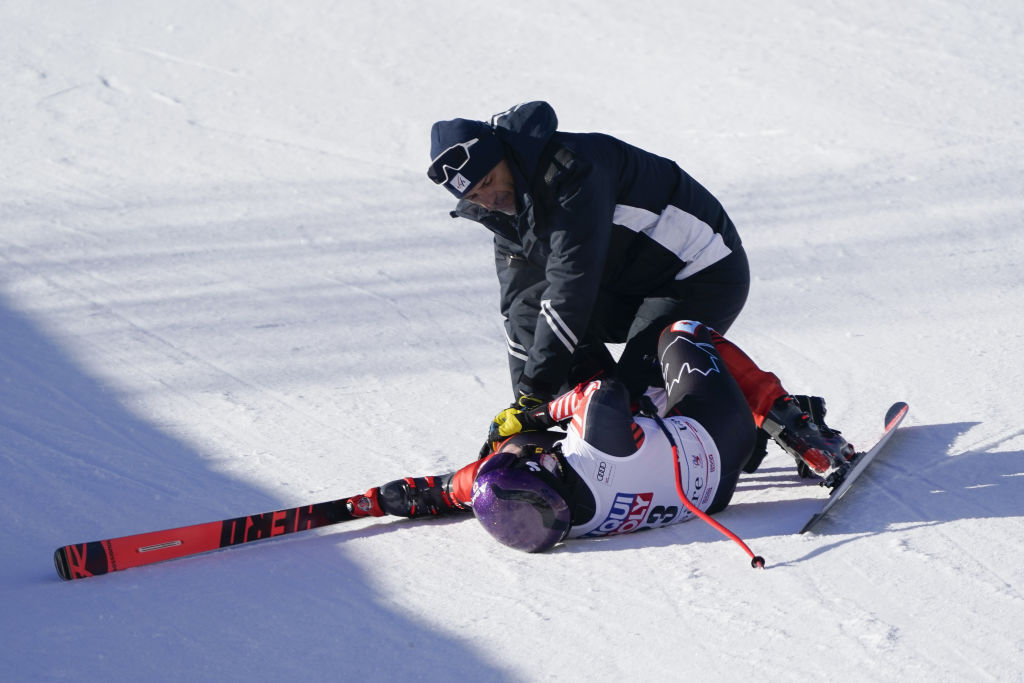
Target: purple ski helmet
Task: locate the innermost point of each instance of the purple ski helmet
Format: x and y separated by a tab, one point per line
516	498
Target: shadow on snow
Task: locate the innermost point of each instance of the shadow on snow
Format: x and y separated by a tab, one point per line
78	466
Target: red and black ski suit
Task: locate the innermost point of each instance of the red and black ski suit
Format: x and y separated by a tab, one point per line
709	381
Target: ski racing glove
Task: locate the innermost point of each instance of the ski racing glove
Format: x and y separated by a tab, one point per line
528	414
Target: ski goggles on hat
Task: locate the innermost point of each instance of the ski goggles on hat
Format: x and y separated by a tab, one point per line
450	161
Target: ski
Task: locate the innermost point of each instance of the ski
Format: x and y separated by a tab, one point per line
83	560
893	417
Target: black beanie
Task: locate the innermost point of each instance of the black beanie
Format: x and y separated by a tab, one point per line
484	154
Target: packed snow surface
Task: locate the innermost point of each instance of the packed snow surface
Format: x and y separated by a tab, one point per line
227	287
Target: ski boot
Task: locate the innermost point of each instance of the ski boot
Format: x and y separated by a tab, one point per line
797	423
409	497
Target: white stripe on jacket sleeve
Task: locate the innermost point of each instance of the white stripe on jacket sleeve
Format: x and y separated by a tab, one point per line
558	325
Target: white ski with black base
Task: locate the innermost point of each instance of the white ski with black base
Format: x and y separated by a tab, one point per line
893	417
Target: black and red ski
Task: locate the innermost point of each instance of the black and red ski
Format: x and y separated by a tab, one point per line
893	417
82	560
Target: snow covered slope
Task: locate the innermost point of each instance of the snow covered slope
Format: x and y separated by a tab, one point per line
226	287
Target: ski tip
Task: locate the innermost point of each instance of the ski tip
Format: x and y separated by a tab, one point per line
60	562
895	412
811	522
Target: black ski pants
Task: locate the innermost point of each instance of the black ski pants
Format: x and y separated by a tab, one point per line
714	296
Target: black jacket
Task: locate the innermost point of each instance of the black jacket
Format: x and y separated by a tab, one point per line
598	219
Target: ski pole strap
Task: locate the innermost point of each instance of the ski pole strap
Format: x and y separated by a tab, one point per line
756	561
